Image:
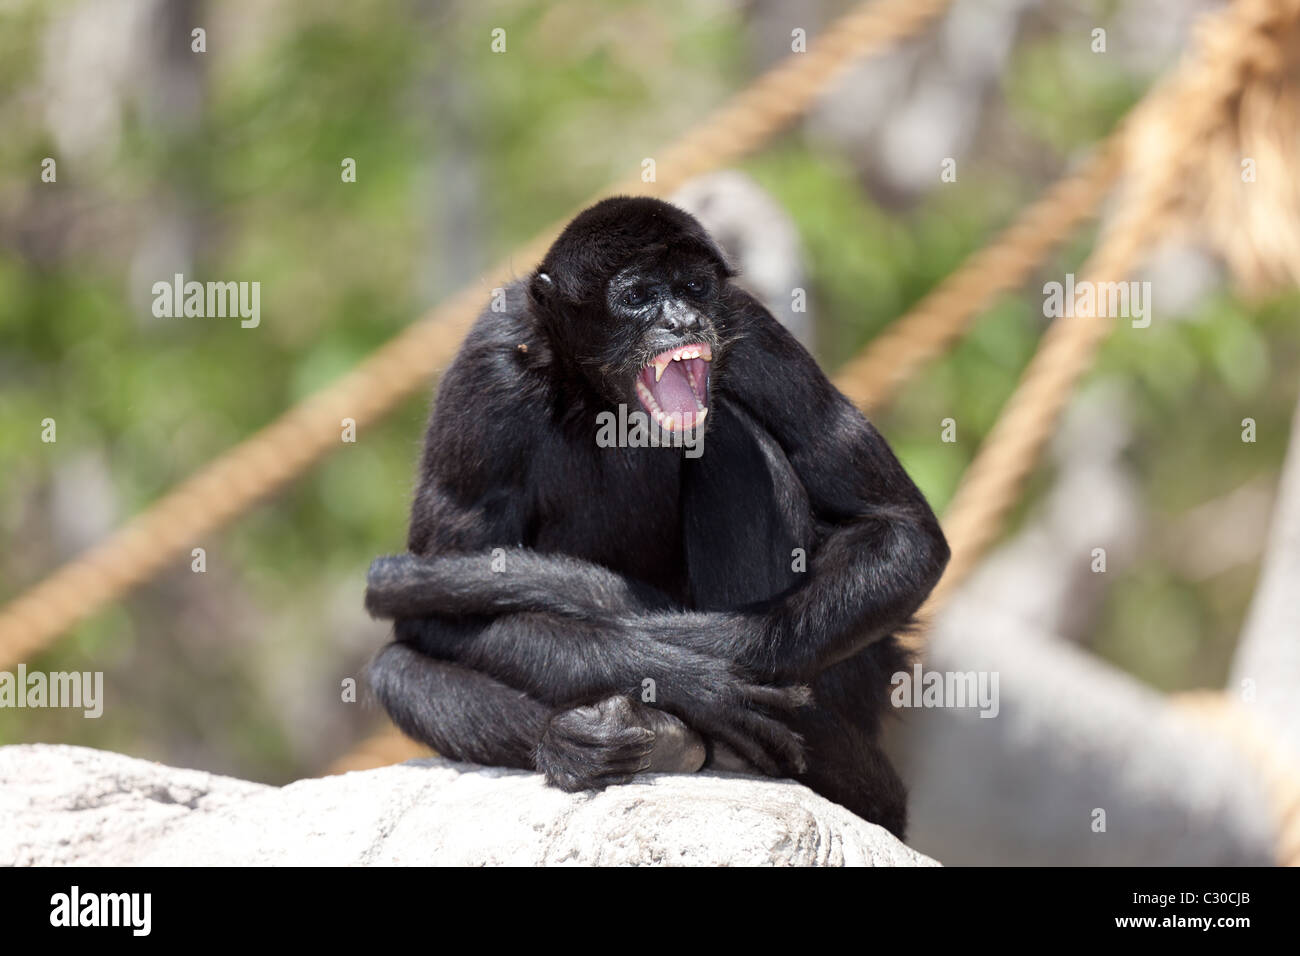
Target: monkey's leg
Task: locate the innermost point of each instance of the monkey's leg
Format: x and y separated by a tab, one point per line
846	763
466	715
565	662
457	711
855	773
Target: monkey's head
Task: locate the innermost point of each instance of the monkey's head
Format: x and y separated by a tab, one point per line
630	294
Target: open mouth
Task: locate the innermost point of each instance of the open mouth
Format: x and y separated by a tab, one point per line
674	387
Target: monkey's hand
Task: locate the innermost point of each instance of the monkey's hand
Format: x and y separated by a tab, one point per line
594	746
721	700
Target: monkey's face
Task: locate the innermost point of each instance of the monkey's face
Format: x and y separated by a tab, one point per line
662	336
632	294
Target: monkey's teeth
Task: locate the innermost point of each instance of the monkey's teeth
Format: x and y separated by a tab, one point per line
647	396
667	422
695	390
692	352
684	353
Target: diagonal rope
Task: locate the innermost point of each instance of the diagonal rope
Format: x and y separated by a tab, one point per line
944	314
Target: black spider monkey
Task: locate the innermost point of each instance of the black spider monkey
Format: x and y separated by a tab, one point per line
594	612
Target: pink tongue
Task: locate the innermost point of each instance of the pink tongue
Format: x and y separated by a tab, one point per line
673	392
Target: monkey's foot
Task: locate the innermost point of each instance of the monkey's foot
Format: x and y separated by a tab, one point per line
609	742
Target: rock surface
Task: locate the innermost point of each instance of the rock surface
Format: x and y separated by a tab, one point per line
72	805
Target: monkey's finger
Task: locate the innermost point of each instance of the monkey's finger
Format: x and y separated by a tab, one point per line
784	699
746	746
600	770
598	738
784	745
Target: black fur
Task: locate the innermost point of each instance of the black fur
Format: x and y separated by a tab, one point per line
622	565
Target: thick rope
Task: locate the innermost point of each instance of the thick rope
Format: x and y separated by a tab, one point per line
288	446
934	323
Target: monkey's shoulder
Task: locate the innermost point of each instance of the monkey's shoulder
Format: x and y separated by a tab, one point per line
502	358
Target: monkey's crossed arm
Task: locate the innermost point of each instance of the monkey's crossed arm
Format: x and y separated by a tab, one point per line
869	574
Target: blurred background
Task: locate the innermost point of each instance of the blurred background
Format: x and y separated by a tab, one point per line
226	165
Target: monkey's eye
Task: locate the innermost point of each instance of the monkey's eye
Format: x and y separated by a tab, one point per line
635	297
697	287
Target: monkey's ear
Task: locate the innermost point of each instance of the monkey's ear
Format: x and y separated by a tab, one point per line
715	252
541	288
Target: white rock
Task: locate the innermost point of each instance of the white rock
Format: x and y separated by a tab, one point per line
72	805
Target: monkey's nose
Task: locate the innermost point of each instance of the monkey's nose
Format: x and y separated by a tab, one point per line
679	320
